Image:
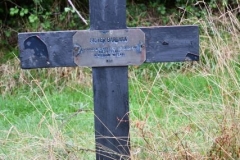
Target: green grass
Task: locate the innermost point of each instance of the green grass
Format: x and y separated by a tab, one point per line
34	117
170	112
187	114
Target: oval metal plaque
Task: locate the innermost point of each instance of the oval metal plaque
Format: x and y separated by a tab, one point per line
100	48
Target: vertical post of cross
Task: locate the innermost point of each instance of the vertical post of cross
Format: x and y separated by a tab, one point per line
110	86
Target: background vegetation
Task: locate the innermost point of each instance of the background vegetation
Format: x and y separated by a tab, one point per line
39	15
185	110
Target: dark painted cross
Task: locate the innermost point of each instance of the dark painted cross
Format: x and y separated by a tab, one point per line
109	47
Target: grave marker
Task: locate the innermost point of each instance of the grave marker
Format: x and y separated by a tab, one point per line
109	47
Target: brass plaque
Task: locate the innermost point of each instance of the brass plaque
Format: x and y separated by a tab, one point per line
100	48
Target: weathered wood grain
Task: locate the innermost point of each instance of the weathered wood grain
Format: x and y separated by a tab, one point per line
163	44
110	86
59	47
172	43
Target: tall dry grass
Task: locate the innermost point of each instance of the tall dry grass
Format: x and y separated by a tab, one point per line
206	126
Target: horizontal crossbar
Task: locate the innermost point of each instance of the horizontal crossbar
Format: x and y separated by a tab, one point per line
55	48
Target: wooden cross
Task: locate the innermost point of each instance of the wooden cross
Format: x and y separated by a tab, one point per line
109	47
